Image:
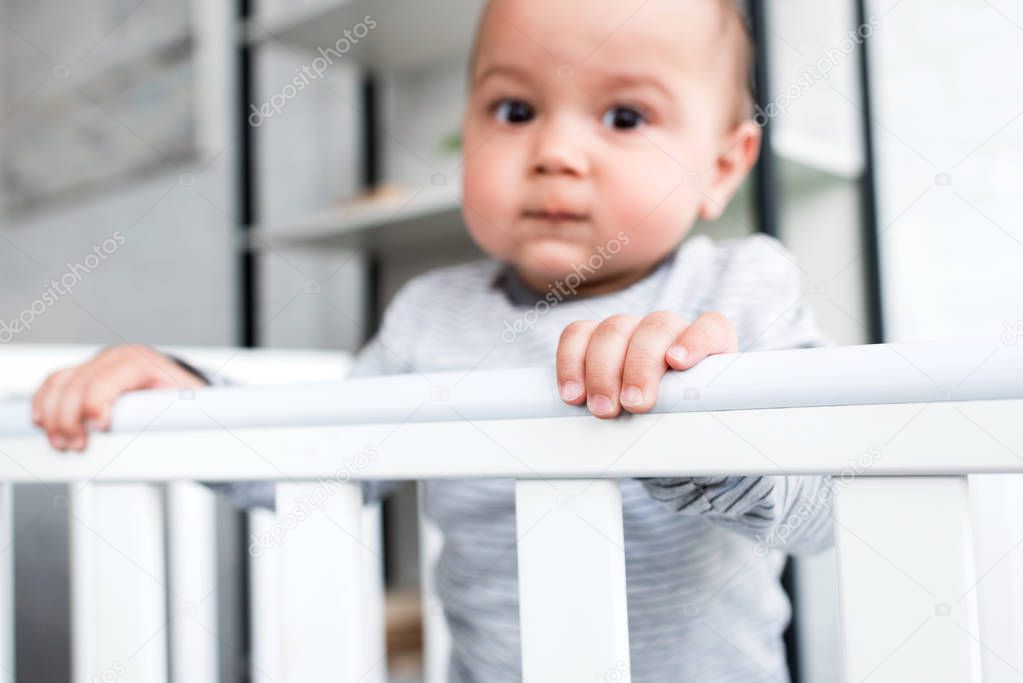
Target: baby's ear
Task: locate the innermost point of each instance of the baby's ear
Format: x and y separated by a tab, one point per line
739	152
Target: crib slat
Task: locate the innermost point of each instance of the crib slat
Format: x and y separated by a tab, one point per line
118	583
7	671
573	610
997	505
436	635
192	564
905	578
323	567
265	600
374	619
82	563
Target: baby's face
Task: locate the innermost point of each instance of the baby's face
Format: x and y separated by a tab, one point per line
618	117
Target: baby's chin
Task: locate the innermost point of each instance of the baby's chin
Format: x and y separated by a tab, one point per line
548	262
556	258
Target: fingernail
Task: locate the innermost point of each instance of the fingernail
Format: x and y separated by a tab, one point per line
36	416
678	353
570	391
632	396
59	442
599	404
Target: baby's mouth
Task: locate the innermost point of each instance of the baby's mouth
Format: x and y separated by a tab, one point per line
556	216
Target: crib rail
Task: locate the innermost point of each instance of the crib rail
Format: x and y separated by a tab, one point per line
897	426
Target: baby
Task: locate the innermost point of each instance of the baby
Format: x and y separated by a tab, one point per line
596	133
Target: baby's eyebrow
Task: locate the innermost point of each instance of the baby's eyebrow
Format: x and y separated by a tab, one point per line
627	79
607	80
510	70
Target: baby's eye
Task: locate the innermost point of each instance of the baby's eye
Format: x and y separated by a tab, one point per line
512	111
623	118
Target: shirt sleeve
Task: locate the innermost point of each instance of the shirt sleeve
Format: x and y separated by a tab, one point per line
791	513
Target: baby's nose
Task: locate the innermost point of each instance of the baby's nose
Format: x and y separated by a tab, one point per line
555	163
560	150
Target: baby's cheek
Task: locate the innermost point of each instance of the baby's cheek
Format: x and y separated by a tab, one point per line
487	209
653	204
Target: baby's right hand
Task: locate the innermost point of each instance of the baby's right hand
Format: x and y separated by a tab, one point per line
75	400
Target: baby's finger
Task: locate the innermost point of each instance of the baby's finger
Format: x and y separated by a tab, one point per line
709	334
69	425
48	398
40	397
571	358
70	418
645	362
605	358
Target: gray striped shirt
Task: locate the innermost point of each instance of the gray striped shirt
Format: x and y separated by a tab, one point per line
705	601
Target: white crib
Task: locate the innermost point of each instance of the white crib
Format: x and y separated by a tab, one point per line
898	427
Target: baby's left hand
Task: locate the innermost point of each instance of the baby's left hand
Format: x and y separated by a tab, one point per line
619	363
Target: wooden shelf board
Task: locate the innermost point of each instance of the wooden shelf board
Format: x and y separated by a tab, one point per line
819	156
408	220
408	33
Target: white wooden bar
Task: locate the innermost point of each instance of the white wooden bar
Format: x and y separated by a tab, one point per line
118	583
374	627
324	639
85	602
573	612
436	635
956	437
192	580
996	502
870	375
265	600
906	578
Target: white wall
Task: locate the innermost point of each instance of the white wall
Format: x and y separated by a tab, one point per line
169	279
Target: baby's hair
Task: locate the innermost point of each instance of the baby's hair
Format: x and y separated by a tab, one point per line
737	13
